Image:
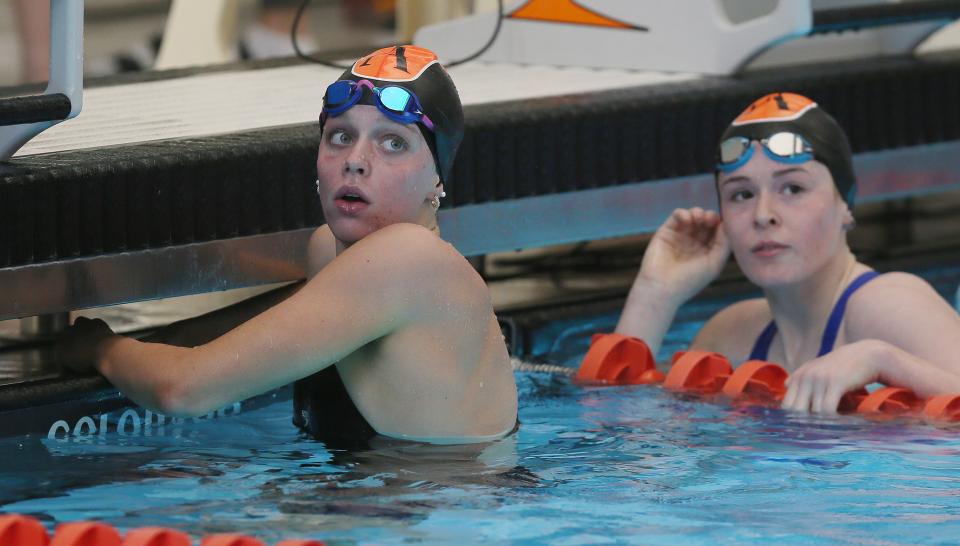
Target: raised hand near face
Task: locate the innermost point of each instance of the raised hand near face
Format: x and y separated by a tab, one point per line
687	252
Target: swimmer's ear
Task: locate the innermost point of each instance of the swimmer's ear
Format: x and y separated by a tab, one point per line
435	198
849	222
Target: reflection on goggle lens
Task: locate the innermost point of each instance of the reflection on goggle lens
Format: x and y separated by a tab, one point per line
785	147
395	98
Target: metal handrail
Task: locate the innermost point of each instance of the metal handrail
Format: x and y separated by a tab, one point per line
22	118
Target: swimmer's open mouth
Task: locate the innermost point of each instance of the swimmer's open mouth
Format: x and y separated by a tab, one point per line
351	195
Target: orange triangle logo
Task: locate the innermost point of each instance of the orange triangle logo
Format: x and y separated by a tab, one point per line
775	107
567	11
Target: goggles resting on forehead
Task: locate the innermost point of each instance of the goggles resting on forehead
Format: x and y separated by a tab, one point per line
783	147
397	103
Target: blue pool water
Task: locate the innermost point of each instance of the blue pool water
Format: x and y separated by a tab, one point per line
588	466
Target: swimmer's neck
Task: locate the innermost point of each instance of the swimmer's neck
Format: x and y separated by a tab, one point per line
801	310
432	225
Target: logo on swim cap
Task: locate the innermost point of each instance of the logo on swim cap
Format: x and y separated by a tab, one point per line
395	64
775	107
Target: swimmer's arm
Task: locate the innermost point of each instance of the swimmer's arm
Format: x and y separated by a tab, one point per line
902	369
902	334
684	255
648	313
818	385
384	283
906	312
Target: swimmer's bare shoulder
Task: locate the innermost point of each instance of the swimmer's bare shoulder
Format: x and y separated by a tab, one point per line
403	262
733	330
424	250
396	238
904	310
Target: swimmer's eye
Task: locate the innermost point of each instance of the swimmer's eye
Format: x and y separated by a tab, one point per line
792	189
394	143
740	195
339	138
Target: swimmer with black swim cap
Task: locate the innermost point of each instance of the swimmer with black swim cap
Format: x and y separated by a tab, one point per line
793	130
408	85
394	332
786	188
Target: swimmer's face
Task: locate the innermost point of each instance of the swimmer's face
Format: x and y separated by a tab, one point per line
374	172
784	222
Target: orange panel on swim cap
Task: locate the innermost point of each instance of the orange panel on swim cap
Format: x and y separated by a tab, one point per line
399	64
775	107
565	11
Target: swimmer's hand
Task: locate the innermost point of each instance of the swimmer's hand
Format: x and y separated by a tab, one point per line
818	385
79	348
687	252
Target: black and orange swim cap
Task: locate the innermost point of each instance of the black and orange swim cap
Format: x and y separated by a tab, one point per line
790	112
418	70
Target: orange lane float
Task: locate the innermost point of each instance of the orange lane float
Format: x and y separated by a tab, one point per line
698	371
19	530
22	531
85	533
230	540
943	407
890	401
757	379
615	359
619	360
156	536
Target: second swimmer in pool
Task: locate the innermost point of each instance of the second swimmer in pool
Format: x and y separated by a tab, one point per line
786	188
394	332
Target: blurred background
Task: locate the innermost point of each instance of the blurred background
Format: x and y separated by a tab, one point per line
126	35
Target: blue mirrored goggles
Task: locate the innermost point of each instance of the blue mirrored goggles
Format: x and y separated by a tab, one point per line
397	103
783	147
